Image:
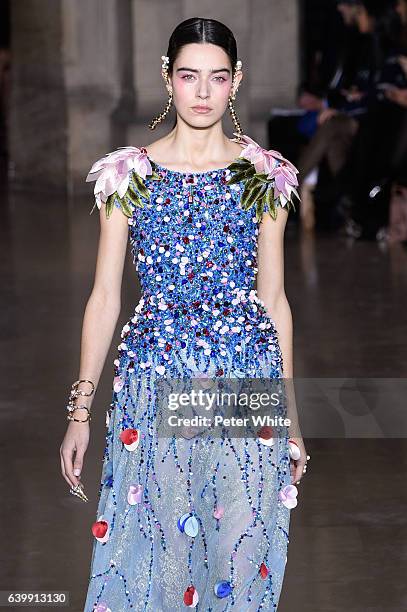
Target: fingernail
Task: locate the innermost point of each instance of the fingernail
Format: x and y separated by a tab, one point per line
76	471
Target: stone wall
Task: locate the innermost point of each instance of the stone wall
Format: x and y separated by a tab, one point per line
86	77
37	124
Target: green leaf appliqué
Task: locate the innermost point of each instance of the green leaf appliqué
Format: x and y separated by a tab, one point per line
133	196
258	189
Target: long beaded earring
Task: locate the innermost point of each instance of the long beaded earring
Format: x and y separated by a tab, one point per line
161	116
232	97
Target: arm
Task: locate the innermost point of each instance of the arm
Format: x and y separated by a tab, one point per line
270	282
270	289
99	322
103	307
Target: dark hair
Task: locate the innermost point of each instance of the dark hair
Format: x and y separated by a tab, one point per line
201	30
388	26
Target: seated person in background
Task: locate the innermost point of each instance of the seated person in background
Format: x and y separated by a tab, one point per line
396	231
347	100
379	155
289	131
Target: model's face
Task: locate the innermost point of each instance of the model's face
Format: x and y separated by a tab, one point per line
202	77
348	13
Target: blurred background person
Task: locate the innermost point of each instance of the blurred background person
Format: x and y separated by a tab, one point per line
377	160
323	167
327	47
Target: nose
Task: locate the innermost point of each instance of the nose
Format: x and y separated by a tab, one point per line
203	89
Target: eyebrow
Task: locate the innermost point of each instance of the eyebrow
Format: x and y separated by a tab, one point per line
196	70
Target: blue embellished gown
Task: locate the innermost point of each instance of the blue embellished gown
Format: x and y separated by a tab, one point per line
195	254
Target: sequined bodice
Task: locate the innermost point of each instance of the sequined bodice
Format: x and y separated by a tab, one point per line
189	252
196	262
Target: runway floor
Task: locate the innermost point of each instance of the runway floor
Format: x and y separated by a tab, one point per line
348	537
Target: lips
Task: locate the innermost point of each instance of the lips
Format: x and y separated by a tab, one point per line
201	108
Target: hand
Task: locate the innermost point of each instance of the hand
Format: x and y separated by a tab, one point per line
403	63
297	466
353	94
76	440
309	101
326	114
397	95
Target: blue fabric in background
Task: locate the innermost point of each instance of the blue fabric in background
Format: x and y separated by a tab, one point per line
307	124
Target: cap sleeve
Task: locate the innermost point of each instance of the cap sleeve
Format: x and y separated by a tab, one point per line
120	177
270	180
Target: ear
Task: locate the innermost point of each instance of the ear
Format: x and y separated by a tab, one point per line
237	79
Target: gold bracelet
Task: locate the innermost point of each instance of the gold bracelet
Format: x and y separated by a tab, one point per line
79	391
71	407
75	392
70	416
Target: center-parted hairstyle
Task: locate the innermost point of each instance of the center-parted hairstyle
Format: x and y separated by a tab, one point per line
200	30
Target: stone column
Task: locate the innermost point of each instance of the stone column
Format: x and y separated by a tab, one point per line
65	86
153	23
38	113
92	69
126	110
273	60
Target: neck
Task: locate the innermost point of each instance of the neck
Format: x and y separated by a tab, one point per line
196	146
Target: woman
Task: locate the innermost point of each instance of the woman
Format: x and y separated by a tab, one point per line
189	518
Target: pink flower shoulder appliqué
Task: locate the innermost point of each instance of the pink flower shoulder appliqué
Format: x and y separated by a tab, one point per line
270	179
112	174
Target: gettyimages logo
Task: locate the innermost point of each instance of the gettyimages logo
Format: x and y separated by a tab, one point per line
218	407
303	407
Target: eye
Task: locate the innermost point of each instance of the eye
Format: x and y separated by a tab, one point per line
189	77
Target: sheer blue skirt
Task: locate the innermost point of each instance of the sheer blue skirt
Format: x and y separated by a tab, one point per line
188	522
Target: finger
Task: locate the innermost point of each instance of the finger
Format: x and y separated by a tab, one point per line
78	463
68	463
299	470
63	470
304	466
294	471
